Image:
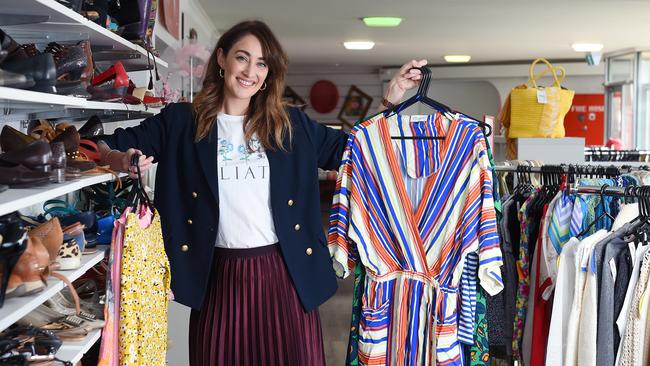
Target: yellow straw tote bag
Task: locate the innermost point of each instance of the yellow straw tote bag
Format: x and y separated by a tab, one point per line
539	111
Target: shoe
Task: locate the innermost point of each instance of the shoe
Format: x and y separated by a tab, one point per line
11	47
88	310
35	156
40	68
37	346
70	61
92	127
69	256
21	177
11	139
14	243
120	81
31	271
50	234
90	150
13	80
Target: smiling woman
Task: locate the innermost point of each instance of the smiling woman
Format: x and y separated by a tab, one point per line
246	75
238	195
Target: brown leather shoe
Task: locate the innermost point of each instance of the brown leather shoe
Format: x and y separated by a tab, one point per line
21	177
35	155
51	235
31	271
11	139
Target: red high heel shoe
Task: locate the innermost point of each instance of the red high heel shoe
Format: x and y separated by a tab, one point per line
120	81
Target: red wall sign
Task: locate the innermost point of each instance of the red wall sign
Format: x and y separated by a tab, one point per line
586	118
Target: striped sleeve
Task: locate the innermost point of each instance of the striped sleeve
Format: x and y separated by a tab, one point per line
489	250
468	299
341	248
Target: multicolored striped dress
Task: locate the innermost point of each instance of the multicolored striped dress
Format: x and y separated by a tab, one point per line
410	211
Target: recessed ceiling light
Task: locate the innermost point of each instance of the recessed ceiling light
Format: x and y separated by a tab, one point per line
458	58
359	45
382	21
587	47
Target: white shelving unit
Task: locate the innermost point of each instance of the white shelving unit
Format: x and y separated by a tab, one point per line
16	308
47	100
73	351
64	24
16	198
41	22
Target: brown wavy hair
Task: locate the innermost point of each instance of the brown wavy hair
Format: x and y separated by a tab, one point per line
266	115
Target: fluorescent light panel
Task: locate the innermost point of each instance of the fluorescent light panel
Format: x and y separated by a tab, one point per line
587	47
458	58
359	45
382	21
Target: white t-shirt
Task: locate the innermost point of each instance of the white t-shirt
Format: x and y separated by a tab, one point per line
245	219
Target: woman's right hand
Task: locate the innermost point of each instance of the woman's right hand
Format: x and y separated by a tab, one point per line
145	162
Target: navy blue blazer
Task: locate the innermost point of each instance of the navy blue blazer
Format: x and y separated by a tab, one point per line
187	199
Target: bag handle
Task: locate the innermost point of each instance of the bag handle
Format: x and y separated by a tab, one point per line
543	73
549	68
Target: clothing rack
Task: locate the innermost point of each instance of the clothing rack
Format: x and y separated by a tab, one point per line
607	154
629	191
571	168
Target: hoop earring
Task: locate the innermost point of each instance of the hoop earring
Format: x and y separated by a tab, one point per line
221	73
263	86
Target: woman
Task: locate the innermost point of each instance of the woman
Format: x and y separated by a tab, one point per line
237	193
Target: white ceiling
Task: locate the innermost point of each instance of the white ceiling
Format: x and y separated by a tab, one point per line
312	31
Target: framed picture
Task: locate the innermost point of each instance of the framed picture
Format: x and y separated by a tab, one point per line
293	99
355	106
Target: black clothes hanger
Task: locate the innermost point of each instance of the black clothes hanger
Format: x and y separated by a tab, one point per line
422	97
138	195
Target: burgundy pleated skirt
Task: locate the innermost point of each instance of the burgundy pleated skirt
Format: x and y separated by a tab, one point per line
252	315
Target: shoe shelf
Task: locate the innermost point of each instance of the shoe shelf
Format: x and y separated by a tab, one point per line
36	105
55	22
17	307
73	351
16	198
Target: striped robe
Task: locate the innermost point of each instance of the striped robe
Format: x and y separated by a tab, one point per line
411	211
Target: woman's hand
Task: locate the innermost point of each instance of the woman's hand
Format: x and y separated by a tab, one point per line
144	162
408	77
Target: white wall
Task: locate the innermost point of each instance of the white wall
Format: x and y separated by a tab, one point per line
302	77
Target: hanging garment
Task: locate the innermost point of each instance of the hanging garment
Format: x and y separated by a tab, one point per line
109	349
562	303
414	245
523	279
145	289
633	341
615	271
621	322
583	255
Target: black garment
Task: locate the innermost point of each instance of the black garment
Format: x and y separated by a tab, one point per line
186	189
501	308
624	266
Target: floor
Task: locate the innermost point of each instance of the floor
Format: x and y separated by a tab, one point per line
335	319
335	313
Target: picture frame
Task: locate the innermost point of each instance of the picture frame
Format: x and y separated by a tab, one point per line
355	106
293	99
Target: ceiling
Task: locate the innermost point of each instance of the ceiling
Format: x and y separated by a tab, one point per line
312	32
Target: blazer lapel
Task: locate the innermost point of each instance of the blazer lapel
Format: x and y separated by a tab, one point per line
206	149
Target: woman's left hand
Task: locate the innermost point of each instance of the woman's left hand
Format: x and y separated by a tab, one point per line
408	77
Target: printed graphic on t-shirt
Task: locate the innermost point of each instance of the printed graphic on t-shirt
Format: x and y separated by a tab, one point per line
242	163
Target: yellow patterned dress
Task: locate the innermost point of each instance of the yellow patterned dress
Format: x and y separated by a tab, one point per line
145	284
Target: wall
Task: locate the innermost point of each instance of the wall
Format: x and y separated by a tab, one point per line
301	78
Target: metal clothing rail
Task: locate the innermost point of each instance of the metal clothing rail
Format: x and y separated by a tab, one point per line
575	169
631	191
